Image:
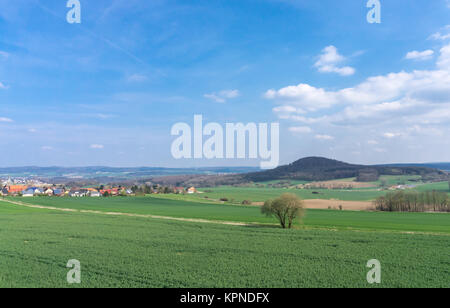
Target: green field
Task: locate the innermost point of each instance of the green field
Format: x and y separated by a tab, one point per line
330	250
135	252
256	194
329	219
239	194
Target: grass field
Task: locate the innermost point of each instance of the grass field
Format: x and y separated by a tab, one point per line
255	194
239	194
119	251
329	219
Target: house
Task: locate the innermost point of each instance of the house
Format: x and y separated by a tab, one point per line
58	192
191	190
94	193
16	189
38	191
178	190
74	192
4	191
28	193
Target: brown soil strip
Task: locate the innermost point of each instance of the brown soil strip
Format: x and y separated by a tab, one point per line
323	204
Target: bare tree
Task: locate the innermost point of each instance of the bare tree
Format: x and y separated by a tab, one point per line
285	208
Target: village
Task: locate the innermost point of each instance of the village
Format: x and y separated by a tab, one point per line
33	188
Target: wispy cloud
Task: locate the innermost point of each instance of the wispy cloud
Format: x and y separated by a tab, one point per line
137	78
3	86
7	120
104	116
442	35
97	146
324	137
391	135
4	54
222	96
330	60
420	55
300	129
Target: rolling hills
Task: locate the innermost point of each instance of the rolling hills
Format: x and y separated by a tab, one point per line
307	169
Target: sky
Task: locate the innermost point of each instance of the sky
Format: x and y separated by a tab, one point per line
108	90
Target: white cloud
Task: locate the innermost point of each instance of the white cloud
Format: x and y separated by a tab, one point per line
3	86
303	96
46	148
393	94
4	54
405	107
223	95
230	93
324	137
286	110
442	35
391	135
7	120
444	58
329	62
104	116
97	146
300	129
420	55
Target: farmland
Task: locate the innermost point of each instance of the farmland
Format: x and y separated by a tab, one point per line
258	194
119	251
329	219
176	240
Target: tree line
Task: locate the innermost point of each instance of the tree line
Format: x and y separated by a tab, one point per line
413	201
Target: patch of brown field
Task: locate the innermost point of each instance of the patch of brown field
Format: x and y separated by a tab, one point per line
333	204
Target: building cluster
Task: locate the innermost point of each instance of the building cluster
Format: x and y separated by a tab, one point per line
32	189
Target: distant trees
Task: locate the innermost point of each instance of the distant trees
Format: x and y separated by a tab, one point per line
367	175
413	201
285	208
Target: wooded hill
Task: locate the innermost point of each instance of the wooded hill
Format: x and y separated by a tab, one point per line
306	169
320	169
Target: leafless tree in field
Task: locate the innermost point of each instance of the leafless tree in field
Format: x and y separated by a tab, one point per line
285	208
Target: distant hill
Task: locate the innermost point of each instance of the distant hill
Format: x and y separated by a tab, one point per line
104	173
439	166
320	169
308	169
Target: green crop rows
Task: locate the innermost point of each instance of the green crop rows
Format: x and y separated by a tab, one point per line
120	251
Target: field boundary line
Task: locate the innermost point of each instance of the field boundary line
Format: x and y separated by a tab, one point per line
196	220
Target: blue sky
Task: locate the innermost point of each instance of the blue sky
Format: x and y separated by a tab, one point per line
107	91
